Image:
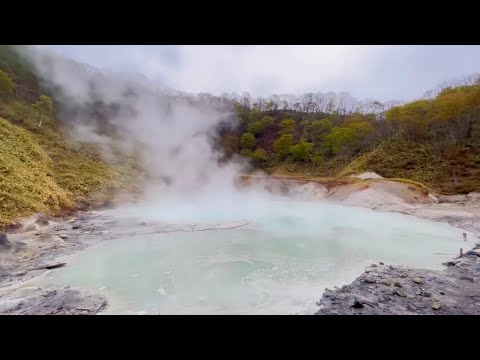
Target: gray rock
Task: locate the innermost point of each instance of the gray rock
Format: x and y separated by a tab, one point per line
450	263
389	291
19	273
400	292
417	280
42	222
381	263
436	305
467	278
4	243
357	304
386	282
397	284
475	252
76	227
402	275
31	227
369	280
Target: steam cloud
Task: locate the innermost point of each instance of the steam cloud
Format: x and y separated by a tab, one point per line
172	134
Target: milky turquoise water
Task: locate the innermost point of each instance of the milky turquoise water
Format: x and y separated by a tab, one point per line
280	263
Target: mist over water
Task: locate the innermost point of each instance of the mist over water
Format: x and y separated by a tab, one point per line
278	260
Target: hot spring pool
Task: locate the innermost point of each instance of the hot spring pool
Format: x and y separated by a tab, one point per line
280	263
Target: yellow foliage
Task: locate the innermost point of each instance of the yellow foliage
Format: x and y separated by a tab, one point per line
27	184
43	171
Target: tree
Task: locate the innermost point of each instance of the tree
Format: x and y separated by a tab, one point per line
43	105
302	150
6	83
457	110
246	153
230	144
259	156
308	103
347	140
317	160
288	126
254	115
247	141
317	130
281	147
412	118
257	127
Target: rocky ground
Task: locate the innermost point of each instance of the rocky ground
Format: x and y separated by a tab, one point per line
389	290
34	248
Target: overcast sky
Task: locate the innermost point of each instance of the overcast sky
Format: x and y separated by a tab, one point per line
380	72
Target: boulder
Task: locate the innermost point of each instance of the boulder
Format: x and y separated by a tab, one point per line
4	243
42	222
417	280
436	305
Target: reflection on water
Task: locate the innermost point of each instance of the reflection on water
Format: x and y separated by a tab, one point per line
279	264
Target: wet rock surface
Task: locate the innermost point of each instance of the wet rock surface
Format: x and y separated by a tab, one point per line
455	291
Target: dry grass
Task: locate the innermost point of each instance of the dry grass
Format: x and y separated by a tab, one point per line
43	171
27	183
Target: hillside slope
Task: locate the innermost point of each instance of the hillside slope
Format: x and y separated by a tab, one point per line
41	171
26	176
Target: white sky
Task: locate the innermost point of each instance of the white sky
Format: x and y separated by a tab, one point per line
390	72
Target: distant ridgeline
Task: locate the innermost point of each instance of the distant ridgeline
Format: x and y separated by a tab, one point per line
435	140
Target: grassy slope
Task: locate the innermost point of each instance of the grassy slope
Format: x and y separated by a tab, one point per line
401	161
417	161
42	171
26	184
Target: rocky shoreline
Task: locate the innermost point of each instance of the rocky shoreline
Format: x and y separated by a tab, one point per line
27	254
395	290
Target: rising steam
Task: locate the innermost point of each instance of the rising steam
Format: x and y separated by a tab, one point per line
171	136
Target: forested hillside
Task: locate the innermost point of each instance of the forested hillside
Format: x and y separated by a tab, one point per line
434	140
